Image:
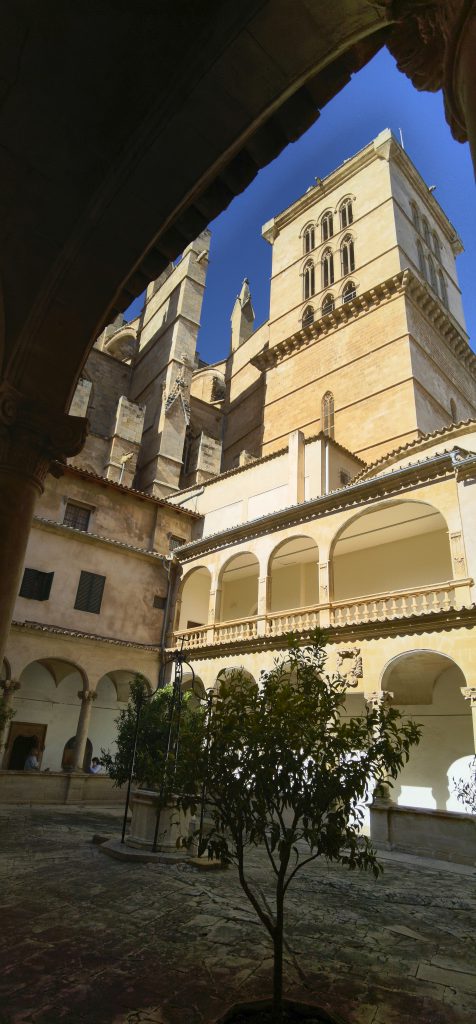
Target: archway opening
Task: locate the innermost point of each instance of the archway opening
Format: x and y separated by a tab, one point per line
426	686
294	575
194	600
47	708
403	546
239	583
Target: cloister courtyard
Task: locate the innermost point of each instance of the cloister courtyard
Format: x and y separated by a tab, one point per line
91	940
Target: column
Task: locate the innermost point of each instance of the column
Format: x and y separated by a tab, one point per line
263	594
8	686
434	44
214	611
376	699
324	583
469	693
86	697
33	441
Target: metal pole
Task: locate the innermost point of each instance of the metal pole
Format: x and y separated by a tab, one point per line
204	783
131	769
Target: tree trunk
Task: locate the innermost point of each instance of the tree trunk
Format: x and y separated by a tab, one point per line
278	957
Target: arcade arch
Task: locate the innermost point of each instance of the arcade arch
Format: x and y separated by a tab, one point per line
239	587
294	574
426	686
194	599
398	546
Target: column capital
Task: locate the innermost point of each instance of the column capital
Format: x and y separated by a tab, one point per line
469	693
425	42
87	695
9	686
378	698
33	437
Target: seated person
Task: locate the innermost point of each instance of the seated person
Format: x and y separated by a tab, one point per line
32	763
96	766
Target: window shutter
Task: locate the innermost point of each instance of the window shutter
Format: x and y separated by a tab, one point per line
36	585
90	591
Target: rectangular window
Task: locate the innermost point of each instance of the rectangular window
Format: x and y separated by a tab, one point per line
36	585
344	477
77	516
90	591
159	602
176	542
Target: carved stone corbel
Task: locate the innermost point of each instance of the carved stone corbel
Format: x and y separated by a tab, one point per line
426	41
33	439
354	672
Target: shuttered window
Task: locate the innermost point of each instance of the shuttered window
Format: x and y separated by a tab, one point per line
90	591
36	585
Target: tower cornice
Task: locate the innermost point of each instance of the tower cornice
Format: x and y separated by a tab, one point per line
403	283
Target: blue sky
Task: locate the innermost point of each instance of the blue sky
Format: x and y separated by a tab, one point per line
378	97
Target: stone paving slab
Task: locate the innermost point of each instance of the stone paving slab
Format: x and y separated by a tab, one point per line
89	940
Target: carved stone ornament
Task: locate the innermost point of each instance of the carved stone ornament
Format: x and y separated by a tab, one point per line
354	671
425	42
87	695
33	438
378	698
469	693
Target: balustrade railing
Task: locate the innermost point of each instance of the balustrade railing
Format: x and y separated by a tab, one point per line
292	620
401	603
377	607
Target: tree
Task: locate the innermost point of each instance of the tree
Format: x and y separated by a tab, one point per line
157	765
284	769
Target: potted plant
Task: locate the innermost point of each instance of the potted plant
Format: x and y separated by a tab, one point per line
160	769
285	770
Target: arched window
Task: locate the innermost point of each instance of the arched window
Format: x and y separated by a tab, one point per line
426	231
327	268
346	213
415	216
432	274
327	226
421	259
349	292
328	305
435	243
454	415
443	292
347	256
308	316
309	280
327	414
309	238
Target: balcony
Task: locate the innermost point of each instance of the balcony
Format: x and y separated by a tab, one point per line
400	604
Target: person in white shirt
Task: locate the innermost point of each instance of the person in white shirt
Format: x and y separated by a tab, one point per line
96	766
32	763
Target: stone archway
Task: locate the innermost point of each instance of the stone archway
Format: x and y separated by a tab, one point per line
426	686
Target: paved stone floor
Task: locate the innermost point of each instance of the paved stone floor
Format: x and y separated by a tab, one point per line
88	940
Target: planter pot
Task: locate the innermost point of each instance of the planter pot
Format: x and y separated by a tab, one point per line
260	1013
175	824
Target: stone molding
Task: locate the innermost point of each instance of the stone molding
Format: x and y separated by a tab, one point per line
425	43
403	283
37	627
33	438
50	525
430	622
353	496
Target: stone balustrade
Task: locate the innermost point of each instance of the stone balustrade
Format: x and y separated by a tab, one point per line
440	597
